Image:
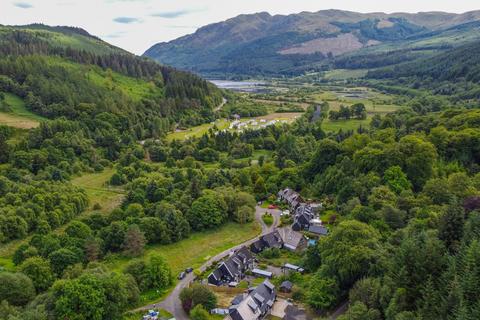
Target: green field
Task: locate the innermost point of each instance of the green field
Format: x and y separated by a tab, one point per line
18	115
197	249
95	184
134	88
343	74
197	131
191	252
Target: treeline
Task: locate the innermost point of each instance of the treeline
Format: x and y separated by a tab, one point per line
357	111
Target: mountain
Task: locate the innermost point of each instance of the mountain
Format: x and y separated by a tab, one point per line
66	72
260	43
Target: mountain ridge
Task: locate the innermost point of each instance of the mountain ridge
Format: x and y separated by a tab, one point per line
265	44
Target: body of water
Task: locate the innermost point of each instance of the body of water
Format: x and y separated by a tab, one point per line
241	86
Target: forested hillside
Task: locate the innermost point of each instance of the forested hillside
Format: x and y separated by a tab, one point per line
265	45
454	73
94	101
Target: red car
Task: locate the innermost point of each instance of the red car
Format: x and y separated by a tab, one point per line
272	206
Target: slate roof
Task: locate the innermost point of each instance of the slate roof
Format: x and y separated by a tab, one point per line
258	302
291	239
320	230
273	240
234	266
237	299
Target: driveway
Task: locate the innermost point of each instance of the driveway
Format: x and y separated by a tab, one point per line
172	302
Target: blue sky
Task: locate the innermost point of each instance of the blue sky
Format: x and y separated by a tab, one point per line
135	25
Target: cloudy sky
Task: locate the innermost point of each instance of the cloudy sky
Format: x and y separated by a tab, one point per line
135	25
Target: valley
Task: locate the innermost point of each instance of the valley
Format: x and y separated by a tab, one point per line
328	169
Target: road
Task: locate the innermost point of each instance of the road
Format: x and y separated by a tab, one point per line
172	302
224	101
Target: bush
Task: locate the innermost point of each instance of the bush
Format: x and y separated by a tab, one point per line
196	295
270	253
16	288
267	219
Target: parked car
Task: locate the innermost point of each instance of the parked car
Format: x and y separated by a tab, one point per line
188	270
272	206
181	275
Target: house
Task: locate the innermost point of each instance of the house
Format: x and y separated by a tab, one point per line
271	240
303	215
291	197
286	286
292	240
262	273
256	305
232	269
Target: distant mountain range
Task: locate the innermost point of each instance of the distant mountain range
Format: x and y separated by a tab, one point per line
262	44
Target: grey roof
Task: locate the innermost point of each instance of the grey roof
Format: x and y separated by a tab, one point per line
237	299
290	238
262	273
273	240
256	304
287	285
235	265
321	230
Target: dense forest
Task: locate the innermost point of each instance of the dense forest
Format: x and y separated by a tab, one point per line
453	73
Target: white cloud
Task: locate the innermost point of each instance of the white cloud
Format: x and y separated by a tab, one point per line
23	5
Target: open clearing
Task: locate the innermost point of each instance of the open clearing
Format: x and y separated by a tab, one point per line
198	248
98	192
197	131
18	116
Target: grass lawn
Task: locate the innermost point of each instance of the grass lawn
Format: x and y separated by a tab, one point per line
197	131
284	257
97	190
19	116
191	252
267	219
197	249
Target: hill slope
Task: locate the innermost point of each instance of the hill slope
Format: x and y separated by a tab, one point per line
62	71
265	44
455	73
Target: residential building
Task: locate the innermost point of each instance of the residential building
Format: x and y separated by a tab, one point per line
292	240
256	305
233	269
271	240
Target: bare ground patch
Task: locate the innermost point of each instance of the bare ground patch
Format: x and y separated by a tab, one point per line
17	122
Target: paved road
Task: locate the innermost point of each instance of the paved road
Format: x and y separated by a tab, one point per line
172	302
